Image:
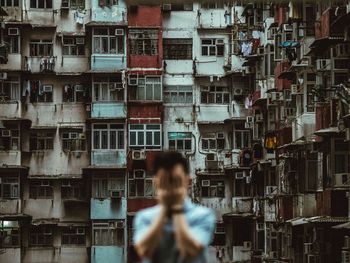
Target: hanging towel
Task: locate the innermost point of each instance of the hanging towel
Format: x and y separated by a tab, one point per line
79	17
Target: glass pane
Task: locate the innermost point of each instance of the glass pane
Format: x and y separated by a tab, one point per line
104	141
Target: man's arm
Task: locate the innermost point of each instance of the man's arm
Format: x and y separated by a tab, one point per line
188	246
146	245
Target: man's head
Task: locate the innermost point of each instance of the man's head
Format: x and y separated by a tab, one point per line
171	170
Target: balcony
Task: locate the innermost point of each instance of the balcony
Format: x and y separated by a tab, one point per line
46	64
10	206
107	254
242	205
10	157
109	208
214	19
109	110
10	110
12	255
323	28
14	62
108	62
116	14
108	158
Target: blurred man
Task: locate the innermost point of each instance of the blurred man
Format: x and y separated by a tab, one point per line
175	230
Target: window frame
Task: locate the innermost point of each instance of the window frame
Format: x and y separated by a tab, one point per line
69	238
102	185
213	46
144	130
210	194
211	96
213	142
45	138
71	144
143	86
41	47
235	145
43	236
14	187
72	46
138	39
4	3
119	130
173	49
183	140
141	182
44	97
112	232
11	89
36	193
11	235
107	86
170	91
109	36
72	189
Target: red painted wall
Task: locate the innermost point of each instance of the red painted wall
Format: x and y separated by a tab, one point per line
145	113
136	204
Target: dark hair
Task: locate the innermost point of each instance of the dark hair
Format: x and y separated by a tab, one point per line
168	160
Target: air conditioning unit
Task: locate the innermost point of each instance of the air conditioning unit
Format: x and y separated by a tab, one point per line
271	99
249	122
47	88
295	89
211	161
79	88
82	136
272	254
138	155
81	231
287	28
205	183
345	256
139	174
237	92
166	7
13	31
323	64
247	245
119	32
239	175
80	41
133	80
342	180
120	224
45	183
5	133
3	75
271	190
307	248
115	194
342	50
259	117
260	227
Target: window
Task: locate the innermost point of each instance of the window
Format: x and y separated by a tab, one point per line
41	141
41	48
74	4
72	189
9	233
140	184
178	94
110	233
213	188
341	157
241	188
9	187
213	141
13	41
143	42
73	236
40	3
74	93
219	238
108	88
10	138
41	236
103	3
213	47
42	93
73	46
241	139
106	41
215	95
181	7
73	141
9	3
10	90
177	48
212	5
103	185
147	88
108	136
40	189
180	141
145	136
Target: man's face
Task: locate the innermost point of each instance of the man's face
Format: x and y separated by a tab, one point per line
175	178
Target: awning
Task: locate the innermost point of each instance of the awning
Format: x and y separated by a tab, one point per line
210	122
101	23
342	21
210	173
93	167
14	217
327	132
71	34
43	127
294	144
55	177
48	221
323	43
74	224
342	226
239	215
260	102
328	219
5	166
43	26
293	44
69	73
297	221
288	74
69	125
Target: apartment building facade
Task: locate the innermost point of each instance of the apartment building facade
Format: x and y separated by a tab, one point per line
255	95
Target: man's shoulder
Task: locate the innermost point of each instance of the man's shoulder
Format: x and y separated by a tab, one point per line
149	212
203	212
